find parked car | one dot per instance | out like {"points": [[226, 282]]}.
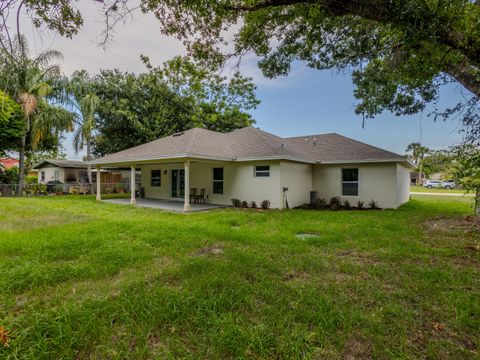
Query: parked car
{"points": [[429, 184]]}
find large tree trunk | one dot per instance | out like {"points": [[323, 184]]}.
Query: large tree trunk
{"points": [[21, 166], [477, 202]]}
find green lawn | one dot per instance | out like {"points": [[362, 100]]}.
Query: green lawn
{"points": [[88, 280], [416, 188]]}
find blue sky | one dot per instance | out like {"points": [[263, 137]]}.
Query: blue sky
{"points": [[315, 102]]}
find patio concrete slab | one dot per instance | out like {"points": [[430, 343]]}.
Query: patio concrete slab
{"points": [[168, 205]]}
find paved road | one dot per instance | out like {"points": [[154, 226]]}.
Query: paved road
{"points": [[439, 194]]}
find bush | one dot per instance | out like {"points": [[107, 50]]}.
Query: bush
{"points": [[359, 205], [335, 202], [236, 202], [244, 204], [320, 204], [373, 204], [253, 205], [265, 204], [346, 204]]}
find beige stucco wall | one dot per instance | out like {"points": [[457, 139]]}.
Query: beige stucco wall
{"points": [[403, 184], [297, 177], [50, 174], [377, 181], [239, 182]]}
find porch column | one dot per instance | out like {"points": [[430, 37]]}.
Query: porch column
{"points": [[133, 201], [186, 204], [99, 191]]}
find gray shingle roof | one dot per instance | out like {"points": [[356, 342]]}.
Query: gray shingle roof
{"points": [[62, 163], [250, 143]]}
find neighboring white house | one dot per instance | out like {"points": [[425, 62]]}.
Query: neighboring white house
{"points": [[254, 165], [64, 171]]}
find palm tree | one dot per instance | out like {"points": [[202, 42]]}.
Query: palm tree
{"points": [[418, 154], [27, 81], [80, 97]]}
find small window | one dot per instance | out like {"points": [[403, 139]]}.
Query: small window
{"points": [[262, 171], [156, 178], [42, 175], [218, 180], [350, 182]]}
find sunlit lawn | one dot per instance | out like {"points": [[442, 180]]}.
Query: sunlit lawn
{"points": [[417, 188], [81, 279]]}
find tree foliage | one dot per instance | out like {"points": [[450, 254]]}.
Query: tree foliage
{"points": [[11, 124], [466, 170], [27, 81], [178, 96]]}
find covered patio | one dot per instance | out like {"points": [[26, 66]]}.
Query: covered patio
{"points": [[168, 205]]}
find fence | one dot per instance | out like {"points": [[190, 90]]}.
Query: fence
{"points": [[9, 190]]}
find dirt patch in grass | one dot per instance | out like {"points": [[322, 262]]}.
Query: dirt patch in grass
{"points": [[295, 275], [214, 249], [466, 224], [357, 347], [357, 257]]}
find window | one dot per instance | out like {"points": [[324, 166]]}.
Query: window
{"points": [[42, 175], [156, 178], [218, 180], [262, 171], [350, 182]]}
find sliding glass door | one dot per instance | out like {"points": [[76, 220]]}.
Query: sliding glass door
{"points": [[178, 183]]}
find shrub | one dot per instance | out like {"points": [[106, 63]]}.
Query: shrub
{"points": [[244, 204], [253, 205], [359, 205], [334, 206], [335, 202], [306, 206], [265, 204], [236, 202], [373, 204], [346, 204], [320, 203]]}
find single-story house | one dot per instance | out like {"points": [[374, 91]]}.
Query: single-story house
{"points": [[64, 171], [76, 172], [254, 165]]}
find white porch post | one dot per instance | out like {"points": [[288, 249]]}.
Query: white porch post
{"points": [[99, 191], [186, 204], [133, 201]]}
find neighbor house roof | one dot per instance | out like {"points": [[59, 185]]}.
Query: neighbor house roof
{"points": [[250, 143], [8, 162], [62, 164]]}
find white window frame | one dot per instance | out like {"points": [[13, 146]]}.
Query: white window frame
{"points": [[266, 173], [156, 177], [351, 182]]}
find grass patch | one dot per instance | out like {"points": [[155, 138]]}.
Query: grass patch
{"points": [[82, 279], [418, 188]]}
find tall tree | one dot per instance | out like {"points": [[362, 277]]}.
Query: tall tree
{"points": [[27, 81], [80, 97], [181, 95], [418, 154]]}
